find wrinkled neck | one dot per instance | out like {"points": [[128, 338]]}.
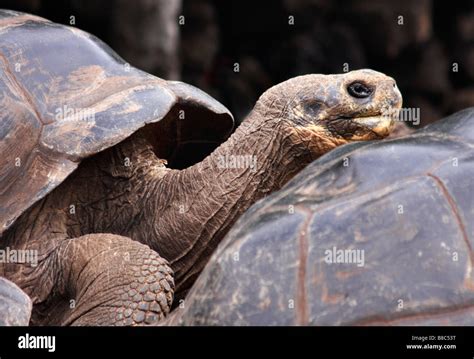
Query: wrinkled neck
{"points": [[210, 196]]}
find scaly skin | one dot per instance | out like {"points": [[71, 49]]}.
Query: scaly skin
{"points": [[180, 214]]}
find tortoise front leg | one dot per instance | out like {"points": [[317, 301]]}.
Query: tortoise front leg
{"points": [[106, 279]]}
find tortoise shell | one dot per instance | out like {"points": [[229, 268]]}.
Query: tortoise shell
{"points": [[371, 233], [15, 305], [65, 95]]}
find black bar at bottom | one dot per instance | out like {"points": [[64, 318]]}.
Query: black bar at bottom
{"points": [[315, 342]]}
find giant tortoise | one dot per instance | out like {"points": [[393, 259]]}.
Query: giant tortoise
{"points": [[369, 234], [85, 140]]}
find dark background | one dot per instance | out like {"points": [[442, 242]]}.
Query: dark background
{"points": [[256, 34]]}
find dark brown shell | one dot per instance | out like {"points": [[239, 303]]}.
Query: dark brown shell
{"points": [[65, 95], [405, 205]]}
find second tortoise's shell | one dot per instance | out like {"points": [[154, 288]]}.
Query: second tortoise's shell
{"points": [[407, 204], [65, 95]]}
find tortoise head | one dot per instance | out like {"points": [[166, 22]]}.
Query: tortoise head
{"points": [[330, 110]]}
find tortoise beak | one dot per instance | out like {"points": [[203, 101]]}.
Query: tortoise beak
{"points": [[380, 125]]}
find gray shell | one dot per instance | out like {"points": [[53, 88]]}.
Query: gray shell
{"points": [[407, 204], [65, 95], [15, 305]]}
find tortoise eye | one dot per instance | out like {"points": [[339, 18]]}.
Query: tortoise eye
{"points": [[359, 90]]}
